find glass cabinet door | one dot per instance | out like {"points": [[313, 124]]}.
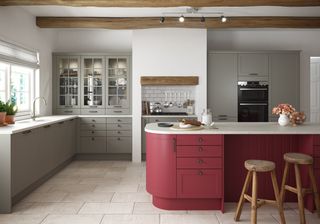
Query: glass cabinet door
{"points": [[118, 82], [68, 81], [93, 82]]}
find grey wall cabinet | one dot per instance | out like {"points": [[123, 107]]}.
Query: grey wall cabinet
{"points": [[222, 86], [253, 66], [284, 80], [38, 151]]}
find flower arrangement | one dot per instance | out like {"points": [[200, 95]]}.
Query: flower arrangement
{"points": [[297, 118], [284, 108]]}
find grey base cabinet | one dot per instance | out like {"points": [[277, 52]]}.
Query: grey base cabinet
{"points": [[119, 135], [38, 151]]}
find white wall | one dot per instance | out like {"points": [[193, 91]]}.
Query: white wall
{"points": [[19, 27], [93, 40], [273, 39], [165, 52]]}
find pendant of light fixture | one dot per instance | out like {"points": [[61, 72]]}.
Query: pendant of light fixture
{"points": [[194, 11]]}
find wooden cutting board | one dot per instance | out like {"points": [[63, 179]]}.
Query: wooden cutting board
{"points": [[176, 127]]}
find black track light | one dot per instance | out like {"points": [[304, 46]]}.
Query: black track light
{"points": [[202, 19], [162, 19]]}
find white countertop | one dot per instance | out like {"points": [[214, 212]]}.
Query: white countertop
{"points": [[25, 125], [230, 128]]}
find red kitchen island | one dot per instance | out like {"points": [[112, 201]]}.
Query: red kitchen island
{"points": [[200, 170]]}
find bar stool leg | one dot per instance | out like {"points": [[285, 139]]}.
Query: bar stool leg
{"points": [[242, 199], [299, 192], [277, 196], [283, 183], [315, 189], [254, 198]]}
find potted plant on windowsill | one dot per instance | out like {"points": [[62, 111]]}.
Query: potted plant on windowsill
{"points": [[2, 113], [11, 110]]}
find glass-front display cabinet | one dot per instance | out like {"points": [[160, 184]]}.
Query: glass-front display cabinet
{"points": [[68, 68], [118, 79], [93, 76]]}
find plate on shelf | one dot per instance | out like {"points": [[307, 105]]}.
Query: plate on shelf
{"points": [[176, 127]]}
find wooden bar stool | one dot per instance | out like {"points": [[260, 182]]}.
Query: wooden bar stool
{"points": [[300, 159], [253, 167]]}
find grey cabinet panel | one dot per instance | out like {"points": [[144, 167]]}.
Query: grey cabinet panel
{"points": [[222, 84], [119, 144], [124, 126], [95, 127], [93, 144], [284, 79], [253, 65], [119, 133], [93, 111], [93, 120], [119, 120]]}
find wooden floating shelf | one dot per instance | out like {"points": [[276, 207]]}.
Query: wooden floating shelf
{"points": [[169, 80]]}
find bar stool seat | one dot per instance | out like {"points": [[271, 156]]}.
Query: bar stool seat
{"points": [[253, 167], [298, 158], [259, 165]]}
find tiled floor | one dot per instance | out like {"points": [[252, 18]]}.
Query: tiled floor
{"points": [[105, 192]]}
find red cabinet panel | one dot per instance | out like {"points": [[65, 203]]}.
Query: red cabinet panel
{"points": [[316, 150], [199, 163], [161, 165], [199, 183], [199, 151], [317, 174], [199, 139], [316, 139], [316, 163]]}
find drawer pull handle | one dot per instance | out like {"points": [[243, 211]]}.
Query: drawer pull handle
{"points": [[157, 120], [174, 145], [68, 111], [93, 111], [200, 161], [200, 149], [200, 173], [92, 139], [200, 139], [119, 126], [62, 122], [26, 132], [253, 74], [47, 126], [93, 120], [117, 111], [119, 120], [119, 132], [119, 139], [92, 132], [93, 126]]}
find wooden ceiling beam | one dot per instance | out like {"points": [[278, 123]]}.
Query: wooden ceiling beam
{"points": [[162, 3], [154, 22]]}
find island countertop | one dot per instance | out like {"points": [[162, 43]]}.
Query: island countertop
{"points": [[236, 128]]}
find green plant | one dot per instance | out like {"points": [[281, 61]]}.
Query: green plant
{"points": [[2, 106], [11, 108]]}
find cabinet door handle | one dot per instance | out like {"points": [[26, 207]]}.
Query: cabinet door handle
{"points": [[222, 115], [68, 106], [92, 139], [117, 106], [117, 111], [47, 126], [93, 126], [174, 144], [26, 132], [200, 173], [157, 120], [200, 149], [92, 132], [119, 139], [119, 120], [119, 132], [93, 106], [62, 122], [68, 111], [119, 126], [253, 74], [93, 111], [93, 120], [223, 119], [200, 161], [200, 139]]}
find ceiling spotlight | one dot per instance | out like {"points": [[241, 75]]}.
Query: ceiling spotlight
{"points": [[202, 19], [223, 19], [181, 19], [162, 19]]}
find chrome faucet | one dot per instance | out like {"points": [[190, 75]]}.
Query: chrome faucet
{"points": [[33, 116]]}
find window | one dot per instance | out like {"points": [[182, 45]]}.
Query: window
{"points": [[18, 69], [17, 84]]}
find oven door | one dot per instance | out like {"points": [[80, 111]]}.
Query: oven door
{"points": [[246, 94], [253, 112]]}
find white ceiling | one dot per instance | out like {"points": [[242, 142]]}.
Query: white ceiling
{"points": [[150, 12]]}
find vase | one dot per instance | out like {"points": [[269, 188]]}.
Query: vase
{"points": [[283, 120], [2, 118], [10, 119]]}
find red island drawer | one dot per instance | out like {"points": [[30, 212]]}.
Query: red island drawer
{"points": [[199, 183], [199, 151], [199, 139], [199, 163], [316, 150]]}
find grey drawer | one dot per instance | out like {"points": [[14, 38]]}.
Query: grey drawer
{"points": [[93, 120], [119, 145], [93, 133], [119, 133], [93, 145], [118, 120], [68, 111], [93, 111], [90, 127], [117, 111], [115, 127]]}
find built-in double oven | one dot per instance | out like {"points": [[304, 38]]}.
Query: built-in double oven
{"points": [[252, 101]]}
